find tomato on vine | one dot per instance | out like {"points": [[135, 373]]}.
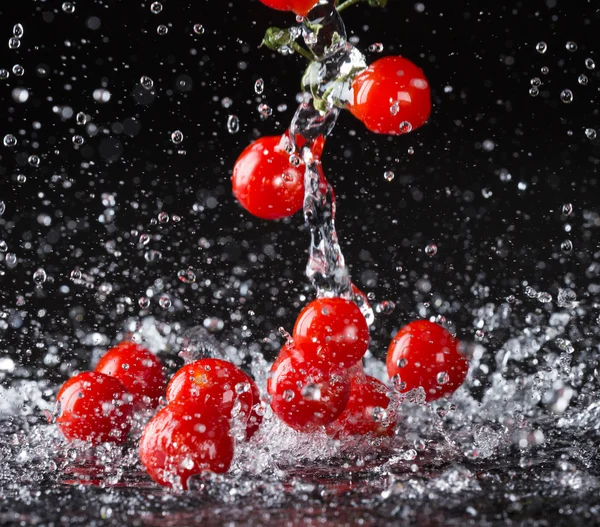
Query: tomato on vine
{"points": [[94, 407], [220, 384], [391, 96], [140, 371], [424, 354], [300, 7]]}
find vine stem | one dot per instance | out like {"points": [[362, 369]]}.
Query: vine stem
{"points": [[347, 4]]}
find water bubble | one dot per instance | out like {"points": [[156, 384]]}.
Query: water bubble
{"points": [[34, 160], [39, 277], [14, 43], [81, 118], [165, 302], [144, 239], [541, 47], [11, 259], [156, 8], [566, 298], [68, 7], [590, 133], [78, 140], [144, 302], [259, 86], [544, 297], [545, 70], [567, 209], [395, 108], [377, 47], [533, 91], [582, 79], [76, 274], [177, 137], [389, 175], [152, 256], [162, 30], [2, 208], [443, 377], [288, 395], [431, 249], [571, 46], [21, 178], [10, 140], [486, 193], [264, 110], [18, 30], [536, 81], [566, 246], [385, 307], [590, 64], [233, 124], [163, 217], [312, 392], [147, 83], [3, 246], [187, 276], [18, 70], [295, 160], [4, 74], [566, 96], [378, 414], [405, 127], [198, 29], [401, 363]]}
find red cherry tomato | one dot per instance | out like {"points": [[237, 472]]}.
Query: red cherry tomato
{"points": [[303, 396], [331, 333], [425, 354], [365, 412], [138, 369], [220, 384], [391, 96], [94, 407], [184, 439], [300, 7], [264, 181]]}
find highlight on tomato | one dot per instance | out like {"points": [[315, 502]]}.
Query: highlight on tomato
{"points": [[300, 7]]}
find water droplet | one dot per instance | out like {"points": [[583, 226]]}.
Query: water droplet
{"points": [[567, 209], [566, 96], [545, 70], [401, 363], [389, 175], [395, 108], [590, 133], [177, 137], [34, 160], [259, 86], [152, 256], [486, 193], [582, 79], [379, 414], [162, 30], [288, 395], [536, 81], [4, 74], [78, 140], [76, 274], [295, 160], [163, 217], [566, 246], [156, 8], [144, 239], [377, 47], [590, 64], [18, 31], [39, 277], [544, 298], [233, 124], [311, 392], [2, 208], [81, 118], [147, 83], [198, 29], [541, 47], [431, 249], [68, 7], [442, 377], [187, 276], [533, 91], [18, 70], [405, 127], [386, 307], [571, 46], [264, 110], [14, 43], [21, 178], [144, 302], [10, 140], [165, 302], [11, 259]]}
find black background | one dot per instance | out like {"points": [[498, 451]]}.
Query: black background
{"points": [[493, 236]]}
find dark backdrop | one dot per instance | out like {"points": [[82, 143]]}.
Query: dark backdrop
{"points": [[486, 182]]}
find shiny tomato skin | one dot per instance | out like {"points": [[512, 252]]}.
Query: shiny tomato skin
{"points": [[425, 354], [303, 396], [138, 369], [94, 407], [391, 92], [365, 411], [184, 439], [331, 333], [264, 181], [220, 384], [300, 7]]}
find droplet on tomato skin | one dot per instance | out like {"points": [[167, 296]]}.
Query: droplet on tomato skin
{"points": [[442, 377], [312, 392], [288, 395]]}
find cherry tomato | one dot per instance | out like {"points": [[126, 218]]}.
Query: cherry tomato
{"points": [[184, 439], [300, 7], [303, 396], [331, 333], [94, 407], [425, 354], [138, 369], [220, 384], [265, 182], [391, 96], [365, 412]]}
